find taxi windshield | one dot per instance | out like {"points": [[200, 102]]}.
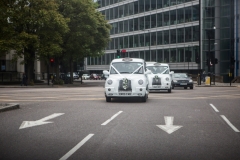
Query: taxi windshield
{"points": [[127, 68], [158, 69]]}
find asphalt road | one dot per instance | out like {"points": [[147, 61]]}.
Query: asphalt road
{"points": [[202, 123]]}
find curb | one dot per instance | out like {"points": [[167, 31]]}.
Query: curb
{"points": [[9, 106]]}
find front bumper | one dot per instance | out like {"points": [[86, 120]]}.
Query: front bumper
{"points": [[163, 86], [177, 84], [136, 92]]}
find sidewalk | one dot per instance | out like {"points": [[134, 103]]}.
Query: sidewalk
{"points": [[217, 84], [86, 83]]}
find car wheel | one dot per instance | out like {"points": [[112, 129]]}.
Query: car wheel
{"points": [[144, 99], [108, 99], [169, 90], [185, 87], [191, 87]]}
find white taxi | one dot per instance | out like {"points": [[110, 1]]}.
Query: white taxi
{"points": [[160, 78], [127, 78]]}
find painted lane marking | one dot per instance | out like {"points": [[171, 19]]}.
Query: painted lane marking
{"points": [[74, 149], [230, 124], [169, 127], [114, 116], [216, 110], [27, 124]]}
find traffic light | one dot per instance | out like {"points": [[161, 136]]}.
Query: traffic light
{"points": [[197, 60], [52, 62], [118, 53]]}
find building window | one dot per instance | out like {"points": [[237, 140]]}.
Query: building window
{"points": [[166, 55], [159, 56], [180, 15], [166, 19], [188, 34], [173, 17], [159, 4], [166, 37], [173, 36], [141, 6], [159, 38], [159, 19], [153, 38], [173, 56], [180, 54]]}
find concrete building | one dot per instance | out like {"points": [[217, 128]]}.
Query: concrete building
{"points": [[173, 31]]}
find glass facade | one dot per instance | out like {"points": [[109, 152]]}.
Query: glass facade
{"points": [[155, 30], [218, 35]]}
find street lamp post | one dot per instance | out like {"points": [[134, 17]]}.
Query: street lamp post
{"points": [[149, 41], [209, 31], [188, 58]]}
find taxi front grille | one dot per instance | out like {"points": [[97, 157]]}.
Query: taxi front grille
{"points": [[183, 81], [156, 81], [129, 86]]}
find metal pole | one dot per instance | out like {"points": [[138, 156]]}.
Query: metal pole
{"points": [[188, 58], [149, 41], [209, 56]]}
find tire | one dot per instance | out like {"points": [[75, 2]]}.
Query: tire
{"points": [[191, 87], [185, 87], [108, 99], [144, 99], [169, 90]]}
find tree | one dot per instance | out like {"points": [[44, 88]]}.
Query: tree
{"points": [[33, 28], [89, 31]]}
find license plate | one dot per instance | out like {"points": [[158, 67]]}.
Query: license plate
{"points": [[122, 94], [156, 86], [183, 84]]}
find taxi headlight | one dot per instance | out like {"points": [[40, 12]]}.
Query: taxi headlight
{"points": [[140, 82], [109, 82], [190, 80], [167, 79]]}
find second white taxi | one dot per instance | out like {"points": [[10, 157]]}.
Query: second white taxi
{"points": [[160, 78], [127, 78]]}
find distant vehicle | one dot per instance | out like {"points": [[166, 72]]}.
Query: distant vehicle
{"points": [[127, 78], [181, 80], [75, 75], [86, 76], [160, 78], [95, 76]]}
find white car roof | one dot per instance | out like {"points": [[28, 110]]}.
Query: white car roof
{"points": [[127, 59], [157, 64]]}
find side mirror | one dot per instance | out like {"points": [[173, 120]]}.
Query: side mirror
{"points": [[171, 72], [106, 72]]}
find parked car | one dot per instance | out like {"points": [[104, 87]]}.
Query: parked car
{"points": [[75, 75], [95, 76], [127, 78], [85, 76], [181, 80], [160, 78]]}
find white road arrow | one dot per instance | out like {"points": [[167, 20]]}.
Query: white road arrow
{"points": [[27, 124], [169, 127]]}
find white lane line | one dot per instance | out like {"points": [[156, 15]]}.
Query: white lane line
{"points": [[230, 124], [74, 149], [216, 110], [114, 116]]}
